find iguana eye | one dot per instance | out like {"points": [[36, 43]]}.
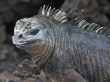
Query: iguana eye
{"points": [[34, 32]]}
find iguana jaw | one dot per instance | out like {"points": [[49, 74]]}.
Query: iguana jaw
{"points": [[22, 44]]}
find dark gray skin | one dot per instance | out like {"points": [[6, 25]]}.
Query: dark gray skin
{"points": [[66, 53], [88, 53]]}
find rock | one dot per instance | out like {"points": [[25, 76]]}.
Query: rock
{"points": [[92, 10], [8, 58], [26, 69], [2, 32], [23, 8], [9, 17]]}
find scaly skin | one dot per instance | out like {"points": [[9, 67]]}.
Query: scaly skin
{"points": [[63, 51]]}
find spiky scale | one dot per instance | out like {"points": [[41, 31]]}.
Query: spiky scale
{"points": [[92, 27], [98, 30], [43, 10], [57, 14]]}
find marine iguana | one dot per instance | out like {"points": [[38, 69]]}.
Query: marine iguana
{"points": [[62, 49]]}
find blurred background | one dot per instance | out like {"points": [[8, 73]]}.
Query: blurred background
{"points": [[97, 11]]}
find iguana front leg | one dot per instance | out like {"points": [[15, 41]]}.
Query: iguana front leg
{"points": [[71, 76]]}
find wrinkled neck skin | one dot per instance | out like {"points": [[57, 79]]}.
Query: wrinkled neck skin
{"points": [[40, 54], [61, 41]]}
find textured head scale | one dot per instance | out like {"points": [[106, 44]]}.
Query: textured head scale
{"points": [[55, 14]]}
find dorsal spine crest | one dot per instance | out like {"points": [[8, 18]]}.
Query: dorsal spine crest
{"points": [[56, 14], [91, 27]]}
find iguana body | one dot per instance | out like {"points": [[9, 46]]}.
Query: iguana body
{"points": [[65, 52]]}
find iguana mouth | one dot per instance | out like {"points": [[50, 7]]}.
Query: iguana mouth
{"points": [[22, 44], [25, 42], [28, 43]]}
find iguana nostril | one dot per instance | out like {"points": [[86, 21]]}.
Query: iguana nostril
{"points": [[20, 36]]}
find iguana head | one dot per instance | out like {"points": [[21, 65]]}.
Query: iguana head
{"points": [[27, 32], [36, 33]]}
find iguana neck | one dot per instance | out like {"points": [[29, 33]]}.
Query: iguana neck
{"points": [[40, 54], [61, 44]]}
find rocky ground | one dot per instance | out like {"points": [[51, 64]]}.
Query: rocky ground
{"points": [[11, 69]]}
